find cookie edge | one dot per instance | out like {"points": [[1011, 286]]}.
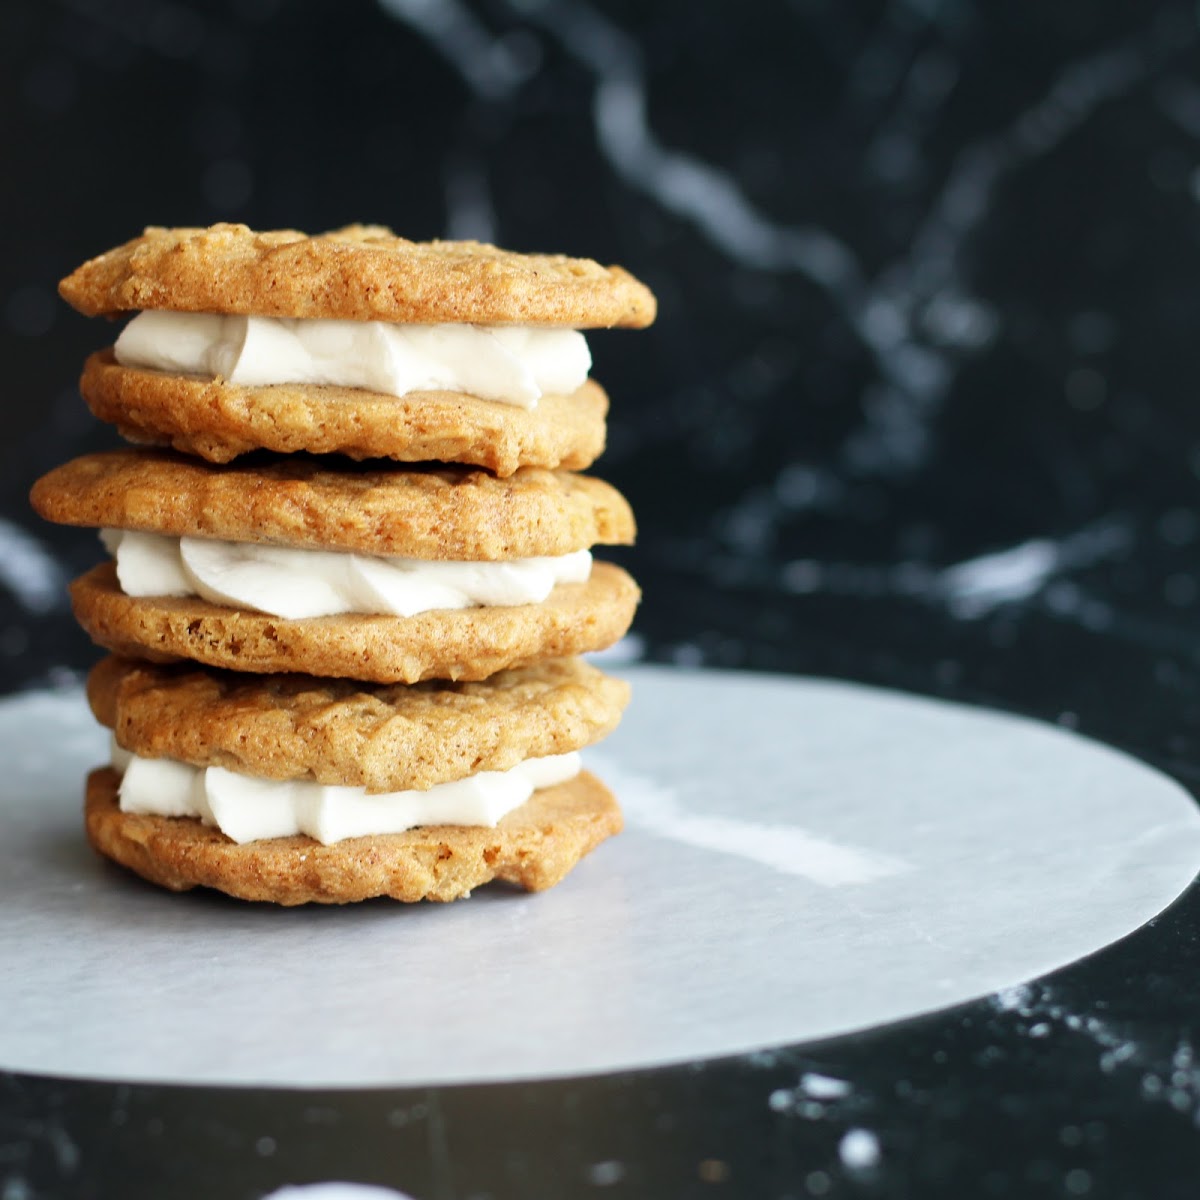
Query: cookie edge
{"points": [[230, 268], [372, 649], [219, 421], [178, 853]]}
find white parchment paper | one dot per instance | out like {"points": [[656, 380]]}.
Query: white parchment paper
{"points": [[801, 859]]}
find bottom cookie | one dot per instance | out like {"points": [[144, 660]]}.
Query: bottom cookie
{"points": [[533, 847]]}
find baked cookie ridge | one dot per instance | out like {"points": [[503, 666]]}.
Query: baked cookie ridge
{"points": [[466, 644], [343, 733], [426, 512], [533, 847], [359, 273], [219, 421]]}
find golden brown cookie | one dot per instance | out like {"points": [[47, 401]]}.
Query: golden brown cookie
{"points": [[464, 643], [219, 420], [454, 513], [384, 739], [360, 273], [534, 846]]}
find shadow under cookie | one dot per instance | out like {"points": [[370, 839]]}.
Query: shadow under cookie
{"points": [[533, 847]]}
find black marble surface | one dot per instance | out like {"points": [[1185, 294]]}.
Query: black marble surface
{"points": [[919, 410]]}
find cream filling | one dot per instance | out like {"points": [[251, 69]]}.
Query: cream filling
{"points": [[292, 583], [246, 809], [513, 364]]}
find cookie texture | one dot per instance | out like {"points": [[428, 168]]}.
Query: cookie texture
{"points": [[465, 643], [219, 421], [360, 273], [334, 731], [533, 847], [456, 513]]}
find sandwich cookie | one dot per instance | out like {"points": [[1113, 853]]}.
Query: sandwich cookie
{"points": [[354, 342], [396, 575], [340, 679], [294, 789]]}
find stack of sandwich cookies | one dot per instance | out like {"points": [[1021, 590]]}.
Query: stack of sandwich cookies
{"points": [[275, 615]]}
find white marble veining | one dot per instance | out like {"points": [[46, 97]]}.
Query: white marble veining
{"points": [[29, 571], [917, 313]]}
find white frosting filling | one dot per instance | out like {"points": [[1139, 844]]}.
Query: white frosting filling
{"points": [[292, 583], [514, 364], [246, 809]]}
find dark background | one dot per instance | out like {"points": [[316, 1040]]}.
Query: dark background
{"points": [[927, 273], [920, 409]]}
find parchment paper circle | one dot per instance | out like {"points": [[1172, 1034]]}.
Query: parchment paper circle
{"points": [[802, 858]]}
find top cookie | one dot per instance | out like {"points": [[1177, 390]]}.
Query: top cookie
{"points": [[359, 273]]}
